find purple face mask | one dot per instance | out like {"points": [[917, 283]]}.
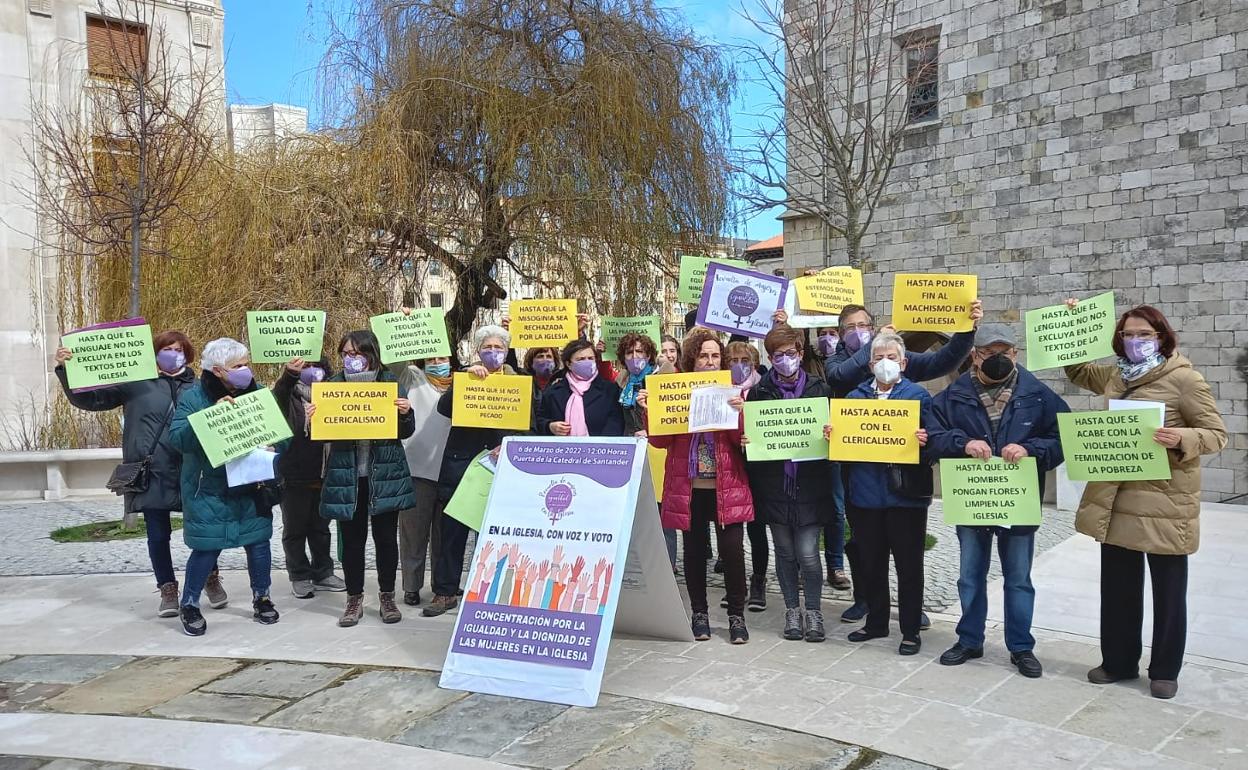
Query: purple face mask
{"points": [[856, 339], [170, 361], [493, 358], [740, 372], [543, 367], [636, 365], [786, 365], [827, 344], [354, 364], [239, 378], [311, 374], [585, 369], [1139, 350]]}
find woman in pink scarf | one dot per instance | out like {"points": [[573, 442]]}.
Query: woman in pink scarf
{"points": [[581, 403]]}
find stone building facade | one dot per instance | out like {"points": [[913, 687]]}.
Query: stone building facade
{"points": [[1080, 146]]}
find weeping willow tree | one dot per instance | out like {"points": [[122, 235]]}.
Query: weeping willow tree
{"points": [[578, 143]]}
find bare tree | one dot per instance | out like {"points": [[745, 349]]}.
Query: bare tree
{"points": [[115, 168], [844, 88]]}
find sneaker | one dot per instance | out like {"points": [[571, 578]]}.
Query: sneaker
{"points": [[856, 612], [333, 584], [217, 598], [924, 621], [411, 598], [723, 603], [957, 655], [758, 594], [793, 625], [814, 626], [168, 600], [353, 612], [839, 580], [1027, 664], [737, 633], [302, 589], [193, 623], [389, 610], [263, 611], [439, 606], [701, 625]]}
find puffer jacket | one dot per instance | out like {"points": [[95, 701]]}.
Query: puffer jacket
{"points": [[389, 480], [813, 503], [734, 503], [867, 483], [216, 516], [1161, 517]]}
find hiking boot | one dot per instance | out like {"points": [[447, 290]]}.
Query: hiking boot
{"points": [[333, 584], [411, 598], [263, 611], [839, 580], [701, 625], [168, 600], [793, 624], [814, 626], [737, 633], [193, 623], [1165, 689], [1027, 664], [758, 594], [302, 589], [957, 655], [439, 606], [217, 598], [856, 612], [389, 610], [354, 611]]}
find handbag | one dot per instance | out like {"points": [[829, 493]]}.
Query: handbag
{"points": [[911, 480], [134, 477]]}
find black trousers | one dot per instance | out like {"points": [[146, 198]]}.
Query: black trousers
{"points": [[354, 532], [731, 542], [1122, 611], [757, 532], [900, 532], [304, 532], [448, 566]]}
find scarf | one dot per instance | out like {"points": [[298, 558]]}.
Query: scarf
{"points": [[750, 382], [792, 389], [304, 392], [995, 403], [440, 384], [363, 448], [1132, 371], [628, 394], [575, 411]]}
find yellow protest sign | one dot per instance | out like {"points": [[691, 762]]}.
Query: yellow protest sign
{"points": [[668, 398], [658, 469], [502, 401], [543, 323], [354, 410], [828, 291], [934, 303], [873, 431]]}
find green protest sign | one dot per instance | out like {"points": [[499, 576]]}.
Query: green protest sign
{"points": [[1058, 336], [614, 328], [787, 429], [227, 431], [693, 275], [467, 505], [1114, 445], [276, 336], [411, 337], [110, 354], [990, 492]]}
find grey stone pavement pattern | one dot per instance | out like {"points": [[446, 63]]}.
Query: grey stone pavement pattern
{"points": [[11, 762], [26, 548]]}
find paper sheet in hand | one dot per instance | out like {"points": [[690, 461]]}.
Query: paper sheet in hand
{"points": [[250, 468], [1116, 404], [709, 410]]}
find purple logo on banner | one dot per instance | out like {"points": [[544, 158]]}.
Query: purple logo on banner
{"points": [[610, 465], [743, 300], [558, 499]]}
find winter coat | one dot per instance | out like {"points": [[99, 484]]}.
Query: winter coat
{"points": [[867, 483], [303, 462], [603, 414], [389, 480], [464, 444], [635, 416], [1029, 420], [733, 503], [1161, 517], [846, 371], [215, 516], [813, 504], [145, 411]]}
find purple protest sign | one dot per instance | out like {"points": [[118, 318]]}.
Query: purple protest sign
{"points": [[529, 635], [611, 465], [740, 301]]}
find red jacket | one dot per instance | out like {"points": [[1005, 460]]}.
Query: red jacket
{"points": [[734, 505]]}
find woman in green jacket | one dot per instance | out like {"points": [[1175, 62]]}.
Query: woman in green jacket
{"points": [[217, 516]]}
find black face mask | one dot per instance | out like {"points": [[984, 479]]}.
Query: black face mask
{"points": [[996, 367]]}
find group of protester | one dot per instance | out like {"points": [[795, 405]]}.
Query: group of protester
{"points": [[397, 488]]}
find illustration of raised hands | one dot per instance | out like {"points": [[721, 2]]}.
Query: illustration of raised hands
{"points": [[558, 557], [543, 570], [577, 567], [600, 568], [484, 556], [522, 565], [564, 573]]}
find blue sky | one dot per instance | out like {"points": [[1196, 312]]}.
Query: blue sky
{"points": [[273, 48]]}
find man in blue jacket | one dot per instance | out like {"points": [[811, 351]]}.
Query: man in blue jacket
{"points": [[997, 409]]}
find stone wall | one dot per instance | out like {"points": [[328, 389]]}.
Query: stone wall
{"points": [[1082, 146]]}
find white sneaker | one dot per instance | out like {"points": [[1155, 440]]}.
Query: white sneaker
{"points": [[331, 583]]}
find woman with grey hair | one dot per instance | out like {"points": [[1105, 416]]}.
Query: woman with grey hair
{"points": [[462, 447], [217, 516]]}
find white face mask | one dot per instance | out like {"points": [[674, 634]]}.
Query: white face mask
{"points": [[887, 371]]}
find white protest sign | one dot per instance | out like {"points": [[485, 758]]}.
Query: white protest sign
{"points": [[740, 301], [709, 410]]}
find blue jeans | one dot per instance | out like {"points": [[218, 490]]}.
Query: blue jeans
{"points": [[797, 551], [1015, 550], [834, 532], [158, 534], [202, 563]]}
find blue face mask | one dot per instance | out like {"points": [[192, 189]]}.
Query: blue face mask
{"points": [[438, 370]]}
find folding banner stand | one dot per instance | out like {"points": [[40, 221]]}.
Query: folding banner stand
{"points": [[570, 544]]}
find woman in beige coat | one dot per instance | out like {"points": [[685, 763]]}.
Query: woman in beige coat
{"points": [[1154, 520]]}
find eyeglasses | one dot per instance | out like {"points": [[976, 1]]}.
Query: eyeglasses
{"points": [[790, 353], [1138, 335]]}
